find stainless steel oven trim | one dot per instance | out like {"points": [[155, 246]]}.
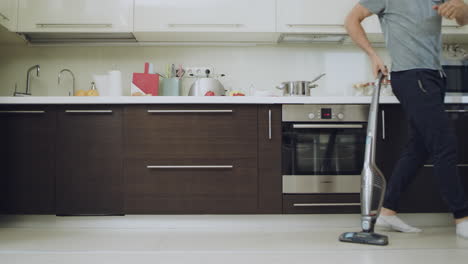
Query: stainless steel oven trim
{"points": [[310, 184], [311, 113], [325, 204], [331, 126]]}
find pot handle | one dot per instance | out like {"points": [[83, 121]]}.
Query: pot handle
{"points": [[318, 78], [312, 86], [281, 87]]}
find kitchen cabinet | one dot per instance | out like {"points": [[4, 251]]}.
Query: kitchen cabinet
{"points": [[184, 159], [159, 20], [75, 16], [321, 203], [269, 159], [422, 194], [304, 16], [9, 14], [27, 148], [89, 163]]}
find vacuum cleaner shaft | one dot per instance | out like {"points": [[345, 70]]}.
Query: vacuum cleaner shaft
{"points": [[372, 182]]}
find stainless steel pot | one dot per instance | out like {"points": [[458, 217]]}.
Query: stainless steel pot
{"points": [[299, 88], [204, 85]]}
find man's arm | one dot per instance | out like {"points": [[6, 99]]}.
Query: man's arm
{"points": [[358, 35], [454, 9]]}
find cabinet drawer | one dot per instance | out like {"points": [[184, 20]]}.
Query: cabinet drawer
{"points": [[321, 204], [207, 186], [191, 131]]}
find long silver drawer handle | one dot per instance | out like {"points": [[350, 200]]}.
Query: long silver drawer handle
{"points": [[458, 165], [269, 125], [313, 25], [326, 204], [89, 111], [22, 112], [189, 111], [192, 167], [451, 26], [72, 25], [383, 125], [300, 126], [456, 111], [4, 17], [206, 25]]}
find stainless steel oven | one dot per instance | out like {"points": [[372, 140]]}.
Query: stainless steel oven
{"points": [[323, 148]]}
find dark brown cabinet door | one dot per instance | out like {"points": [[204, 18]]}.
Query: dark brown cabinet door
{"points": [[89, 178], [27, 137], [191, 159], [392, 135], [269, 159], [422, 195]]}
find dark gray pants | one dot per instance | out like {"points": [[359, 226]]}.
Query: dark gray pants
{"points": [[421, 93]]}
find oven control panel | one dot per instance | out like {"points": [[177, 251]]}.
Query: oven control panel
{"points": [[325, 113]]}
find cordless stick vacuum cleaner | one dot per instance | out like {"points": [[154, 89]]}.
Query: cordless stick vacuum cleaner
{"points": [[372, 183]]}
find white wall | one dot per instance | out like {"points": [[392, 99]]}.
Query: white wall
{"points": [[264, 67]]}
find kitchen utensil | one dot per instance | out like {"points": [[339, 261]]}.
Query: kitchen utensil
{"points": [[299, 88], [173, 71], [180, 72], [204, 85]]}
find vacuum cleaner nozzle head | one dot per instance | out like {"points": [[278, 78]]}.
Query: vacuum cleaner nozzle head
{"points": [[364, 238]]}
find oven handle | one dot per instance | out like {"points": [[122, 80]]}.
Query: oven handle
{"points": [[302, 126], [325, 204]]}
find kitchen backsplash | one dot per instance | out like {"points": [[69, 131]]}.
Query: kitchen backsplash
{"points": [[246, 67]]}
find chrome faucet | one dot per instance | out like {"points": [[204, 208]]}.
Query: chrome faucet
{"points": [[73, 76], [28, 81]]}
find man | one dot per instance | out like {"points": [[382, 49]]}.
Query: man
{"points": [[412, 32]]}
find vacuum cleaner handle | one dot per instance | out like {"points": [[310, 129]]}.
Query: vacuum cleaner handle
{"points": [[380, 78]]}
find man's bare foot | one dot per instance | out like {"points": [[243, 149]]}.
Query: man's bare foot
{"points": [[387, 212]]}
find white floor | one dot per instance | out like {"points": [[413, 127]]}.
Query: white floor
{"points": [[220, 239]]}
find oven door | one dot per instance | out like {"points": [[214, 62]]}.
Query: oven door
{"points": [[323, 157]]}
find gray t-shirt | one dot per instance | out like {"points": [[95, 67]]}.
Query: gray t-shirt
{"points": [[412, 32]]}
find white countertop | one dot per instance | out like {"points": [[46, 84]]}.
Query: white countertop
{"points": [[451, 99]]}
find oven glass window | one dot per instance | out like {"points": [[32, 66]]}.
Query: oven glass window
{"points": [[334, 151]]}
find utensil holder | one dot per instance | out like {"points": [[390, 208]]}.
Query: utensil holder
{"points": [[171, 87]]}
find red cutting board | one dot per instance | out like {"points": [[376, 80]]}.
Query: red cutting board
{"points": [[146, 82]]}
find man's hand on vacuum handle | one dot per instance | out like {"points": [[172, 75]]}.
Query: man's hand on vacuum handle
{"points": [[357, 33], [378, 66], [454, 9]]}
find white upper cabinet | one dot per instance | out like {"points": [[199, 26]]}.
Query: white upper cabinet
{"points": [[309, 16], [9, 14], [205, 16], [75, 16]]}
